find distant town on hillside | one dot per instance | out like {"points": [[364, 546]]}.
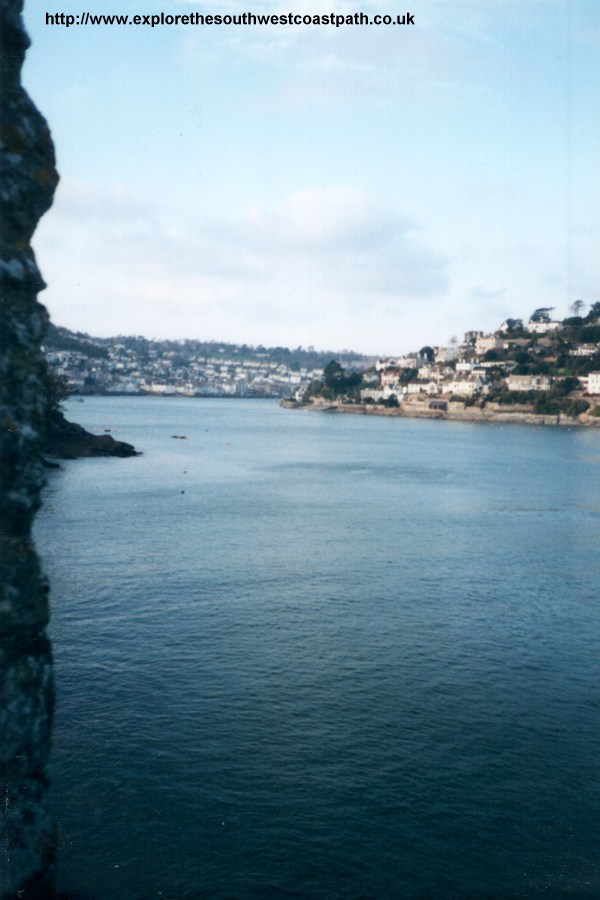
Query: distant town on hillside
{"points": [[191, 368], [550, 363], [550, 366]]}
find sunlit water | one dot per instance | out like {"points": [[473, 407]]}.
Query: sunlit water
{"points": [[314, 656]]}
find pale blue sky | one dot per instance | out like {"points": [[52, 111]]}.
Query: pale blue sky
{"points": [[375, 188]]}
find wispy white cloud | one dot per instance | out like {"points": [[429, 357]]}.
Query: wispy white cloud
{"points": [[481, 293], [450, 42], [262, 271], [317, 65]]}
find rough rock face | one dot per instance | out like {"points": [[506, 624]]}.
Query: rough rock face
{"points": [[67, 440], [27, 182]]}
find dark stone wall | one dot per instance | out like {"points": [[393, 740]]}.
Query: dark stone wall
{"points": [[27, 182]]}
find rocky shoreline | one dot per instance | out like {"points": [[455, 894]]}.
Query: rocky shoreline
{"points": [[67, 440], [455, 411]]}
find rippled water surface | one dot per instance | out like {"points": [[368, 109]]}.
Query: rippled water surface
{"points": [[315, 656]]}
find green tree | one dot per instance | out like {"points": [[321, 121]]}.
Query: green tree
{"points": [[315, 389], [333, 376], [564, 386], [577, 307], [513, 325], [54, 391], [574, 408], [590, 334], [408, 375], [339, 383], [542, 314], [544, 406], [594, 312]]}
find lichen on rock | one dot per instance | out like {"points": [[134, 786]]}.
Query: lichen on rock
{"points": [[27, 181]]}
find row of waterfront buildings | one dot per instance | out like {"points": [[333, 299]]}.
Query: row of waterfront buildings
{"points": [[472, 367], [123, 371]]}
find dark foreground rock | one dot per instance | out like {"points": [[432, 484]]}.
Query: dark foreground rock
{"points": [[28, 179], [67, 440]]}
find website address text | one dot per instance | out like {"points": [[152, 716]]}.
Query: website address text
{"points": [[159, 19]]}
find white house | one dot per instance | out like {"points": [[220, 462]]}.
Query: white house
{"points": [[392, 390], [407, 362], [166, 389], [593, 383], [372, 394], [529, 382], [584, 350], [428, 373], [389, 376], [543, 327], [421, 387], [466, 387]]}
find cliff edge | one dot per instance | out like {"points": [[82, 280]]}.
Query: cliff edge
{"points": [[27, 182]]}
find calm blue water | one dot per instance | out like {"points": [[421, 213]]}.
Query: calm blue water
{"points": [[312, 656]]}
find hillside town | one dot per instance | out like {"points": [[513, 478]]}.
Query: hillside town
{"points": [[549, 365], [134, 365]]}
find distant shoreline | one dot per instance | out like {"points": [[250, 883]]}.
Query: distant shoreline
{"points": [[455, 412], [79, 398]]}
